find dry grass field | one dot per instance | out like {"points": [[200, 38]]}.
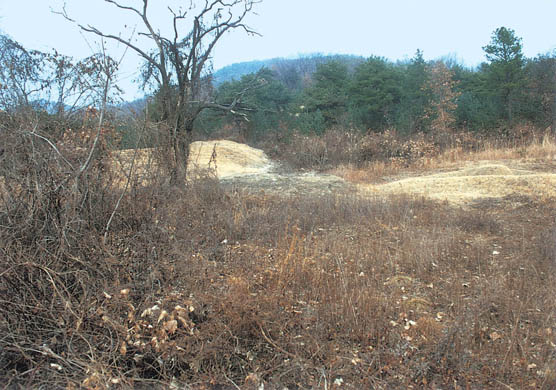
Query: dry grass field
{"points": [[439, 275]]}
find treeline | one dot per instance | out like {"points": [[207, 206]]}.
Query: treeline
{"points": [[311, 95], [410, 96]]}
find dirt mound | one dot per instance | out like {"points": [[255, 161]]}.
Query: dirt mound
{"points": [[228, 158], [485, 170], [470, 184], [241, 165], [224, 158]]}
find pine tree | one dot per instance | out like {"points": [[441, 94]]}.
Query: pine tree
{"points": [[506, 69]]}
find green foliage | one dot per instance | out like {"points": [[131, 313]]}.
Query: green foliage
{"points": [[505, 48], [505, 73], [411, 112], [328, 93], [156, 105], [262, 102], [541, 90], [310, 122], [316, 94], [474, 112], [375, 92], [476, 108]]}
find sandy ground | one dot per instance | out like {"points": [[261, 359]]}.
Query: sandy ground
{"points": [[228, 158], [469, 184], [241, 165], [223, 158]]}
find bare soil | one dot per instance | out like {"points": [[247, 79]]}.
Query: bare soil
{"points": [[242, 166], [477, 181]]}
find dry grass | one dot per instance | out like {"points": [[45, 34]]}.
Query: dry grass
{"points": [[301, 292], [473, 184], [202, 288], [463, 177], [542, 147], [536, 149]]}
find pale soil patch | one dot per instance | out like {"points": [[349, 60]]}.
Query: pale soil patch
{"points": [[222, 158], [243, 166], [484, 180], [228, 158], [236, 165]]}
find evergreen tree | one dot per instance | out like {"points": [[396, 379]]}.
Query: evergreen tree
{"points": [[411, 115], [541, 88], [477, 107], [328, 92], [376, 91], [506, 69], [264, 102]]}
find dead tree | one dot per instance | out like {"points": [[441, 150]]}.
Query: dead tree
{"points": [[178, 65]]}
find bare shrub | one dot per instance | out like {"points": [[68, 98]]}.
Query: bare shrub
{"points": [[205, 286], [389, 147], [349, 147], [300, 151]]}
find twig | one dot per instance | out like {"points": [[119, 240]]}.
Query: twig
{"points": [[275, 345], [107, 228], [232, 382], [505, 385], [323, 374], [51, 145], [101, 117]]}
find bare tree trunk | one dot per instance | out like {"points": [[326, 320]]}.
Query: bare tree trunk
{"points": [[179, 163], [178, 65], [181, 141]]}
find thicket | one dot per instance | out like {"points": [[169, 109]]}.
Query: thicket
{"points": [[206, 287], [108, 280]]}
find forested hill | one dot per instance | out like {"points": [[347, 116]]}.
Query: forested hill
{"points": [[303, 65], [235, 71]]}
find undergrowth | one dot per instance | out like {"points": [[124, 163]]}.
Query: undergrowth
{"points": [[199, 287]]}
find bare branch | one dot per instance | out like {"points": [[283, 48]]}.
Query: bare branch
{"points": [[128, 180], [142, 53], [34, 134], [178, 62], [108, 74], [127, 7]]}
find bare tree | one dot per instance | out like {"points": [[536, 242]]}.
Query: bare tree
{"points": [[178, 66], [49, 81], [73, 85], [21, 81]]}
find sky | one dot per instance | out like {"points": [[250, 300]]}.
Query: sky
{"points": [[394, 29]]}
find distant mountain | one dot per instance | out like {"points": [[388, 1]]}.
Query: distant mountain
{"points": [[235, 71], [290, 71], [132, 108], [284, 67]]}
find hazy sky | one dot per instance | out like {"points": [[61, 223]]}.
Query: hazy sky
{"points": [[389, 28]]}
